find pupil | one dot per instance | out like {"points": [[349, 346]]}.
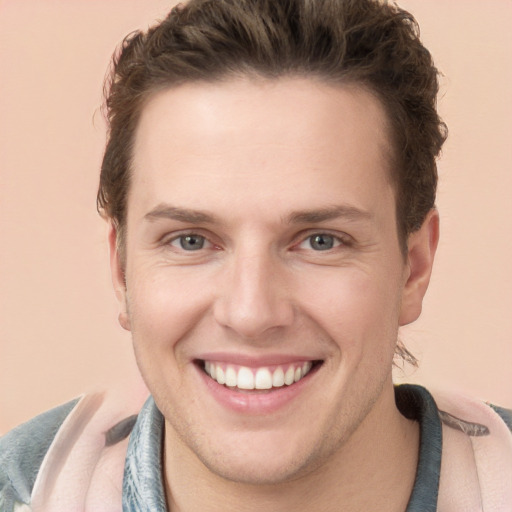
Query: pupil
{"points": [[322, 242], [192, 242]]}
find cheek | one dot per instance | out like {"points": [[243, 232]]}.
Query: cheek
{"points": [[358, 310], [165, 305], [164, 310]]}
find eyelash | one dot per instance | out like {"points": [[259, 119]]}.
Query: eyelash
{"points": [[338, 241], [181, 237]]}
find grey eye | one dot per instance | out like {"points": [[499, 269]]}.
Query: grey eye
{"points": [[191, 242], [322, 242]]}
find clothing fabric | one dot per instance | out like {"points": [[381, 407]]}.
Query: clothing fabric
{"points": [[94, 454]]}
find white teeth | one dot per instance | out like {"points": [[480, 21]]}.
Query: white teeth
{"points": [[245, 378], [278, 378], [289, 376], [230, 376], [261, 378], [221, 377]]}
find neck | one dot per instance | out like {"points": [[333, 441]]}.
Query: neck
{"points": [[373, 470]]}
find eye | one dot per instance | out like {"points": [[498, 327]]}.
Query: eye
{"points": [[321, 242], [189, 242]]}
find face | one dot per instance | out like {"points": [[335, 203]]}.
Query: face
{"points": [[264, 278]]}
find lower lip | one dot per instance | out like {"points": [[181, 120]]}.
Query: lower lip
{"points": [[255, 402]]}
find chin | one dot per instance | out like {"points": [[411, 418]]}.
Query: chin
{"points": [[262, 458], [271, 471]]}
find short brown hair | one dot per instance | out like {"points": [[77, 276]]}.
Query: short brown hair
{"points": [[368, 42]]}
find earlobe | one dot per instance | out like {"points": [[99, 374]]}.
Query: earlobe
{"points": [[421, 249], [118, 277]]}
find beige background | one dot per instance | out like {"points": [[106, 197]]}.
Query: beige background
{"points": [[58, 329]]}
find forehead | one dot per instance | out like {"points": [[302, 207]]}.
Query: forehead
{"points": [[236, 142]]}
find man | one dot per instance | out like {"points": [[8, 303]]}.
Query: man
{"points": [[269, 183]]}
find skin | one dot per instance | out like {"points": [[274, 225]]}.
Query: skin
{"points": [[257, 158]]}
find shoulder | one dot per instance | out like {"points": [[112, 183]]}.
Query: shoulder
{"points": [[22, 451], [477, 453], [465, 458], [474, 417]]}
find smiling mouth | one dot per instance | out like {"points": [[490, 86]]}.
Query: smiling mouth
{"points": [[263, 379]]}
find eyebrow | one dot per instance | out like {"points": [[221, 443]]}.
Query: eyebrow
{"points": [[351, 213], [347, 212], [165, 211]]}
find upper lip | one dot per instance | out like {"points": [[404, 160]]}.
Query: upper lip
{"points": [[252, 361]]}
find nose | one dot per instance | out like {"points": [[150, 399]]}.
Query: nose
{"points": [[253, 298]]}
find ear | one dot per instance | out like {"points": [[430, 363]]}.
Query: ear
{"points": [[118, 278], [421, 249]]}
